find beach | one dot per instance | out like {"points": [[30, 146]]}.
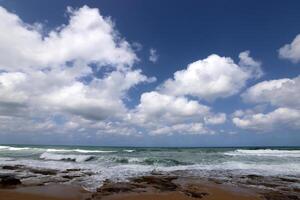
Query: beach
{"points": [[115, 173], [154, 187]]}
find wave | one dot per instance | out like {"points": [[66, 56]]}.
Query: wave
{"points": [[11, 148], [66, 157], [129, 150], [79, 151], [149, 161], [265, 152], [14, 148]]}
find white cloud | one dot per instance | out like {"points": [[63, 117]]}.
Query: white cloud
{"points": [[167, 114], [283, 94], [213, 77], [101, 99], [156, 107], [88, 38], [215, 119], [250, 65], [278, 119], [45, 77], [291, 51], [153, 57], [184, 129]]}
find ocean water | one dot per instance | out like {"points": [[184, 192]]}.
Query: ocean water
{"points": [[120, 163]]}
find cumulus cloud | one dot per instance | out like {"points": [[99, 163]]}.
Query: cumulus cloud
{"points": [[88, 38], [46, 80], [291, 51], [184, 129], [280, 118], [213, 77], [283, 94], [166, 114], [253, 67], [156, 107], [153, 57]]}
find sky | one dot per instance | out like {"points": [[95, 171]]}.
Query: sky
{"points": [[150, 73]]}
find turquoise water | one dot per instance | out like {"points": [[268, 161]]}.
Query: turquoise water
{"points": [[123, 162]]}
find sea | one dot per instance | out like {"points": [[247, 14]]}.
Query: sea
{"points": [[121, 163]]}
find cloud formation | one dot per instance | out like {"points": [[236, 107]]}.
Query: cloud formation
{"points": [[283, 94], [291, 51], [50, 78], [213, 77], [153, 57]]}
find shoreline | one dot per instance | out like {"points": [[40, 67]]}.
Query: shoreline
{"points": [[205, 191], [151, 187]]}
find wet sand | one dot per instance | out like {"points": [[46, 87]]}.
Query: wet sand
{"points": [[213, 193], [63, 192], [150, 187], [50, 192]]}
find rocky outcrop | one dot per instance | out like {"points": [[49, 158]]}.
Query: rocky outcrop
{"points": [[160, 182], [7, 180], [43, 171]]}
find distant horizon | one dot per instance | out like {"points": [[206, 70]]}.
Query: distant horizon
{"points": [[69, 145]]}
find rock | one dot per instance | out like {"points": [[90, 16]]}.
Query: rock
{"points": [[274, 195], [73, 170], [9, 180], [253, 176], [71, 176], [42, 180], [12, 167], [194, 191], [289, 180], [44, 171], [110, 187], [216, 181], [163, 183]]}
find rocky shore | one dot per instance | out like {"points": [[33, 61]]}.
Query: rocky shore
{"points": [[156, 185]]}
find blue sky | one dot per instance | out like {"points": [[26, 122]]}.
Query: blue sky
{"points": [[180, 73]]}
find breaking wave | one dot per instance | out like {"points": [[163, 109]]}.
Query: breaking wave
{"points": [[150, 161], [66, 157], [79, 151], [265, 152], [14, 148]]}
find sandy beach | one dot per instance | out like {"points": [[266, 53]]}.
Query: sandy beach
{"points": [[153, 187], [59, 192]]}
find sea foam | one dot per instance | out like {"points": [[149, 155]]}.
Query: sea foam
{"points": [[265, 152], [66, 157]]}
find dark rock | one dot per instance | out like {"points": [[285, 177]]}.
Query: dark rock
{"points": [[71, 176], [163, 183], [110, 187], [9, 180], [216, 181], [194, 191], [73, 170], [155, 172], [12, 167], [253, 176], [289, 180], [280, 196], [44, 171]]}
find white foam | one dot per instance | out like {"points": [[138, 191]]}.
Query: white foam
{"points": [[16, 148], [265, 152], [66, 157], [129, 150], [13, 148], [79, 151]]}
